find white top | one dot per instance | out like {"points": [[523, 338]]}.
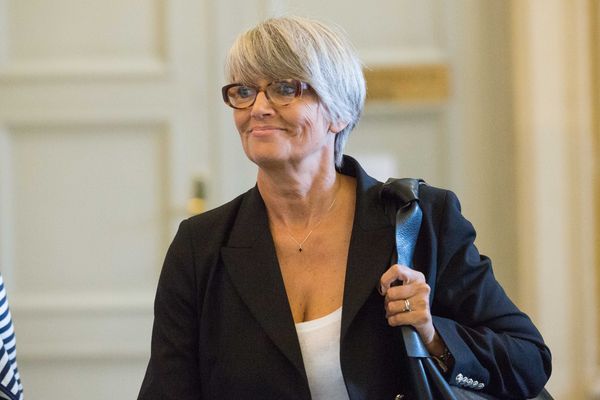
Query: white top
{"points": [[320, 345]]}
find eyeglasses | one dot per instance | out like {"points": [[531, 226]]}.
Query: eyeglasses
{"points": [[279, 93]]}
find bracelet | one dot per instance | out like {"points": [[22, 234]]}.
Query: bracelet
{"points": [[443, 360]]}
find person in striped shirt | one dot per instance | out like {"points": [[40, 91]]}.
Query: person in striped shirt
{"points": [[10, 382]]}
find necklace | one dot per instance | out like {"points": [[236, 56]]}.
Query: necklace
{"points": [[315, 227]]}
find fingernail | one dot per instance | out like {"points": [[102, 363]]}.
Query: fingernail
{"points": [[380, 289]]}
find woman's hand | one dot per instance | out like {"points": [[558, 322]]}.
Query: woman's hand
{"points": [[408, 304]]}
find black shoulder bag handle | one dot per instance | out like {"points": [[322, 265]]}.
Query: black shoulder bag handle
{"points": [[401, 198]]}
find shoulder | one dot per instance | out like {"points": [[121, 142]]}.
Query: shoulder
{"points": [[436, 199], [442, 208], [212, 227], [433, 194], [198, 240]]}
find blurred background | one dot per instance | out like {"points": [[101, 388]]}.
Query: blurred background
{"points": [[112, 130]]}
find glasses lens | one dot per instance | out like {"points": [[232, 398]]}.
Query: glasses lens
{"points": [[282, 92], [241, 96]]}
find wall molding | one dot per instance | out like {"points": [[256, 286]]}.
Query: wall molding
{"points": [[81, 334], [41, 304], [90, 354], [15, 127], [90, 70]]}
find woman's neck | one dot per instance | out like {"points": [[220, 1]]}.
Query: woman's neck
{"points": [[299, 200]]}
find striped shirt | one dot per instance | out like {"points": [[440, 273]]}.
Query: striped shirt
{"points": [[10, 383]]}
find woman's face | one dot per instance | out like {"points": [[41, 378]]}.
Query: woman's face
{"points": [[275, 135]]}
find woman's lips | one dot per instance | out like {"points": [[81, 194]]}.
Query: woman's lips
{"points": [[264, 130]]}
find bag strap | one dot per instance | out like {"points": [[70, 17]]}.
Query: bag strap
{"points": [[401, 198]]}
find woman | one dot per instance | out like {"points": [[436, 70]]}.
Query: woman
{"points": [[287, 291]]}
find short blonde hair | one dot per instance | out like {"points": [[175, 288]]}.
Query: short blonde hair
{"points": [[307, 50]]}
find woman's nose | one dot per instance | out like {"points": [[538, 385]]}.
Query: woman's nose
{"points": [[262, 106]]}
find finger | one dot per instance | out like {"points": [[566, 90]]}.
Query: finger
{"points": [[417, 319], [413, 311], [399, 307], [397, 273], [414, 289], [405, 306]]}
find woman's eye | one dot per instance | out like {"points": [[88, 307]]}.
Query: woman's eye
{"points": [[285, 89], [245, 92]]}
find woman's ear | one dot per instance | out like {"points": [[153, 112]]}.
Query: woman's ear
{"points": [[337, 126]]}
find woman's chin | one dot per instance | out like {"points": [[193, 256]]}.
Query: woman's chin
{"points": [[266, 154], [266, 161]]}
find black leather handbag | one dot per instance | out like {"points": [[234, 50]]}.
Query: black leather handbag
{"points": [[401, 199]]}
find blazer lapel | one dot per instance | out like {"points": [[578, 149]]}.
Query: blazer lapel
{"points": [[371, 246], [252, 265]]}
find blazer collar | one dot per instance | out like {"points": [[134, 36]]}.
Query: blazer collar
{"points": [[250, 260], [371, 246], [370, 212]]}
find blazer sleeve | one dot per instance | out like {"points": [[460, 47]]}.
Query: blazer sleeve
{"points": [[491, 340], [172, 371]]}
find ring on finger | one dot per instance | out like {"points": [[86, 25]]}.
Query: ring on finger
{"points": [[407, 307]]}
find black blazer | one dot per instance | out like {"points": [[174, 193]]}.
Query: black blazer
{"points": [[223, 328]]}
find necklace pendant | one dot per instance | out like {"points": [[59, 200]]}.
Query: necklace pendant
{"points": [[316, 225]]}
